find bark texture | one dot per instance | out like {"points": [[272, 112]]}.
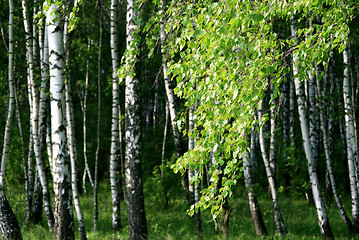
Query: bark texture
{"points": [[114, 157], [137, 226], [270, 175], [252, 197], [64, 224], [323, 219]]}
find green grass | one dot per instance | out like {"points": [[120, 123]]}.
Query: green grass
{"points": [[173, 223]]}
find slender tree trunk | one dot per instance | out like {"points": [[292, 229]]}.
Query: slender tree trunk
{"points": [[114, 157], [313, 115], [35, 120], [285, 129], [325, 125], [252, 197], [350, 139], [272, 142], [137, 226], [44, 88], [291, 114], [213, 162], [170, 94], [71, 140], [155, 103], [163, 152], [87, 169], [270, 175], [10, 111], [9, 226], [164, 138], [303, 118], [194, 188], [64, 224], [95, 198]]}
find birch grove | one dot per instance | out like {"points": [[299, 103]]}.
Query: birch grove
{"points": [[261, 99]]}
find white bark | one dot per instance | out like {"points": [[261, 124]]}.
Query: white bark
{"points": [[252, 197], [169, 90], [350, 139], [164, 138], [114, 157], [10, 111], [71, 141], [137, 226], [35, 119], [272, 160], [64, 225], [325, 125], [303, 118], [193, 187], [270, 176], [87, 169]]}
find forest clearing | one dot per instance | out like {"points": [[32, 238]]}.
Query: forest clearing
{"points": [[140, 119]]}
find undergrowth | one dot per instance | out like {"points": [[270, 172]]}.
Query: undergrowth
{"points": [[174, 223]]}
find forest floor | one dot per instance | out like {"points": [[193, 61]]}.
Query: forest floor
{"points": [[173, 223]]}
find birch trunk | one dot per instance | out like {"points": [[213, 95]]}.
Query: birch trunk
{"points": [[35, 120], [285, 129], [87, 169], [163, 151], [170, 94], [325, 126], [164, 138], [291, 114], [155, 103], [194, 187], [64, 224], [270, 175], [71, 140], [10, 111], [303, 118], [313, 117], [350, 139], [114, 157], [137, 226], [9, 226], [272, 160], [95, 198], [252, 197]]}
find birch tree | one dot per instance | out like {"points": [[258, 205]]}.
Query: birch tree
{"points": [[34, 119], [195, 190], [326, 124], [252, 197], [114, 157], [169, 91], [64, 225], [9, 226], [137, 226], [303, 118], [350, 137], [270, 175], [95, 216], [71, 140]]}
